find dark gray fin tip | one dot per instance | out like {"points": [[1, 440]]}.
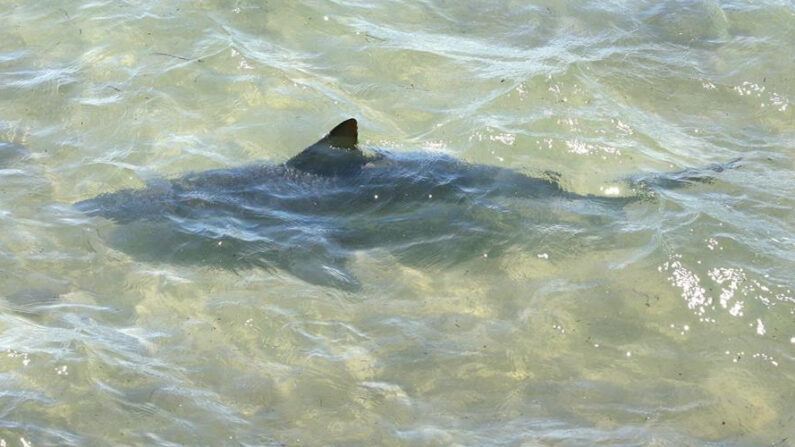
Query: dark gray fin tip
{"points": [[345, 135], [335, 154]]}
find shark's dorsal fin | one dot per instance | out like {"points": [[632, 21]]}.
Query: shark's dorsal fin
{"points": [[334, 154], [344, 136]]}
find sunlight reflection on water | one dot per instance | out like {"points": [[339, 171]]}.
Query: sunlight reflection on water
{"points": [[667, 322]]}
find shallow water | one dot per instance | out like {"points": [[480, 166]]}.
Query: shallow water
{"points": [[677, 327]]}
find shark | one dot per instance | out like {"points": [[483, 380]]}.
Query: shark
{"points": [[309, 215]]}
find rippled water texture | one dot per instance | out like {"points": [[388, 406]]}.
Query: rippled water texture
{"points": [[671, 322]]}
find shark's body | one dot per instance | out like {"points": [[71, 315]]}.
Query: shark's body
{"points": [[307, 215]]}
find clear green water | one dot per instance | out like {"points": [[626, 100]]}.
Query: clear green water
{"points": [[678, 332]]}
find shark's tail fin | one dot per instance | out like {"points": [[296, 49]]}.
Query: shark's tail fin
{"points": [[680, 179]]}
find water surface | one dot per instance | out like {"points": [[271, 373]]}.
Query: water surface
{"points": [[674, 327]]}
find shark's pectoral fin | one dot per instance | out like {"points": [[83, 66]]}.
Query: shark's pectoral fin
{"points": [[315, 260], [334, 154]]}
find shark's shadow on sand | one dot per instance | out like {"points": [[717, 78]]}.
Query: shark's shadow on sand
{"points": [[310, 214]]}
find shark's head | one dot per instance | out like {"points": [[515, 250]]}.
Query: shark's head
{"points": [[336, 154]]}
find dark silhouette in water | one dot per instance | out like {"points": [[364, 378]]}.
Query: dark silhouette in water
{"points": [[308, 215]]}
